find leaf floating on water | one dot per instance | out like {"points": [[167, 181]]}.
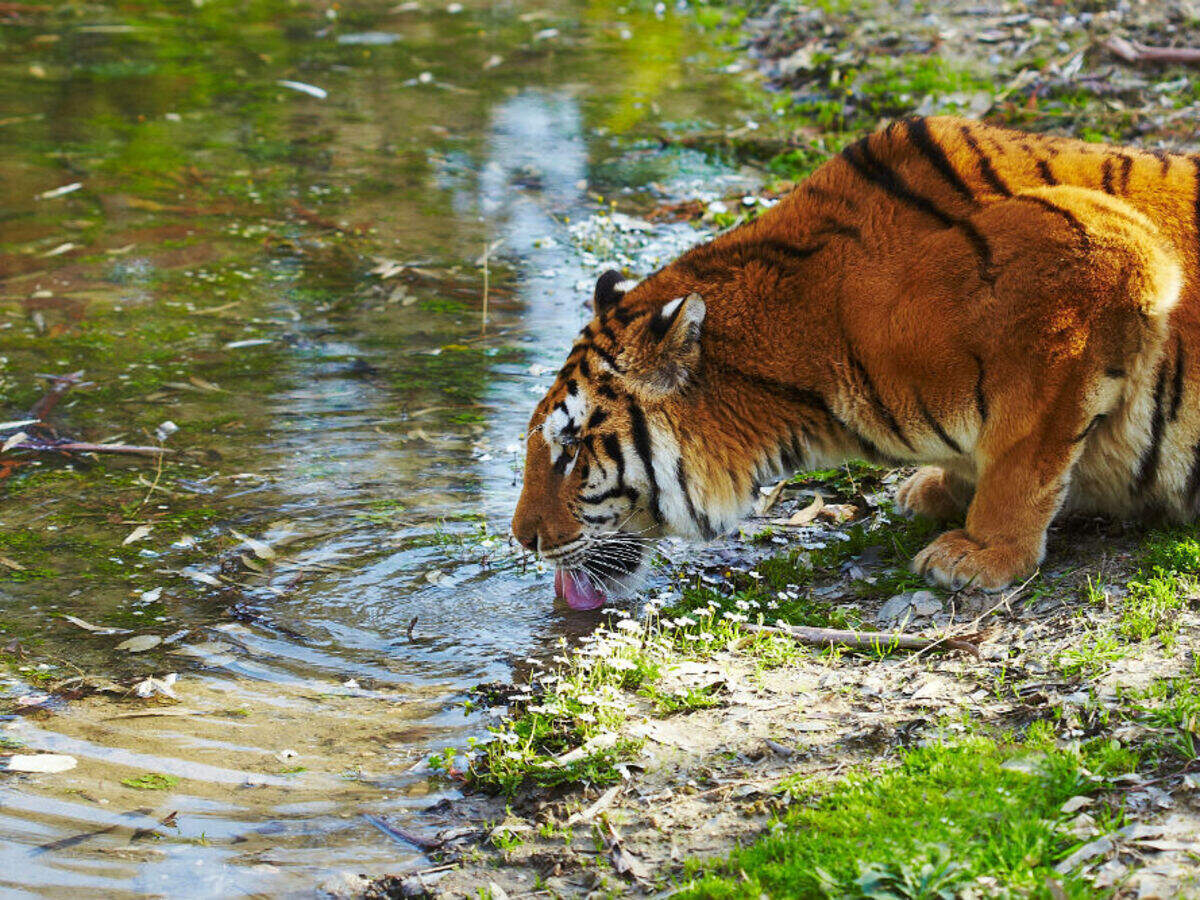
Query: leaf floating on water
{"points": [[60, 191], [41, 763], [148, 687], [261, 549], [140, 644], [204, 385], [136, 535], [202, 577], [311, 89], [13, 441], [94, 629], [387, 268]]}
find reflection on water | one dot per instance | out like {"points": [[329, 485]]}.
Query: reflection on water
{"points": [[297, 284]]}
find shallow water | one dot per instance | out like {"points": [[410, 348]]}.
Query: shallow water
{"points": [[297, 282]]}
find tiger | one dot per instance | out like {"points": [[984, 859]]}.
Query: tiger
{"points": [[1015, 315]]}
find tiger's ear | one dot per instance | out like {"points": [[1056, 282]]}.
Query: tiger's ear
{"points": [[610, 288], [674, 333]]}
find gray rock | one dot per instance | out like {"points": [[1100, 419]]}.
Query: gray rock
{"points": [[897, 607], [925, 603]]}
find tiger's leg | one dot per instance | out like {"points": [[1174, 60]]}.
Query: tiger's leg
{"points": [[932, 491], [1084, 295], [1004, 538]]}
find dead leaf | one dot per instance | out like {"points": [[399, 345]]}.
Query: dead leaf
{"points": [[839, 512], [140, 644], [94, 629], [624, 862], [808, 514], [13, 441], [136, 535], [768, 497]]}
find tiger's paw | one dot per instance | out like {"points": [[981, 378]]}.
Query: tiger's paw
{"points": [[955, 560], [926, 492]]}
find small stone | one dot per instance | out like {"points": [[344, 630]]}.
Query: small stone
{"points": [[895, 608], [925, 603], [1076, 803]]}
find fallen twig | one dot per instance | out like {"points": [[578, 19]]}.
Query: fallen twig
{"points": [[1136, 53], [866, 640], [605, 801], [82, 447], [403, 834]]}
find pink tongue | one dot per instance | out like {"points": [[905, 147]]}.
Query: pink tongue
{"points": [[577, 590]]}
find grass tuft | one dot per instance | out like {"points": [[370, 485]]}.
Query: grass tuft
{"points": [[945, 816]]}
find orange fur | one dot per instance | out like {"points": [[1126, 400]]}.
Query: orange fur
{"points": [[1017, 312]]}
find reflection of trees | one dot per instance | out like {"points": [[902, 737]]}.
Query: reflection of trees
{"points": [[642, 67]]}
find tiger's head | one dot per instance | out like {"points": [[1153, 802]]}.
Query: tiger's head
{"points": [[606, 467]]}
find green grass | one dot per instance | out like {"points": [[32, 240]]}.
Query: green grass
{"points": [[943, 817], [1164, 585]]}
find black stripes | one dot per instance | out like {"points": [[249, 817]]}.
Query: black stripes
{"points": [[711, 261], [1196, 201], [1106, 176], [859, 156], [1164, 161], [918, 132], [699, 519], [1043, 170], [641, 446], [781, 390], [934, 424], [1148, 467], [867, 165], [986, 170], [1091, 426], [1193, 482], [881, 410], [1126, 170], [1077, 227], [1177, 380], [981, 404]]}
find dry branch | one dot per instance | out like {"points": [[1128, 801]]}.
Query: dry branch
{"points": [[83, 447], [869, 641], [1135, 53]]}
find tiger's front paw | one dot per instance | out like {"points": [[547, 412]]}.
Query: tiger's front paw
{"points": [[955, 560], [928, 493]]}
